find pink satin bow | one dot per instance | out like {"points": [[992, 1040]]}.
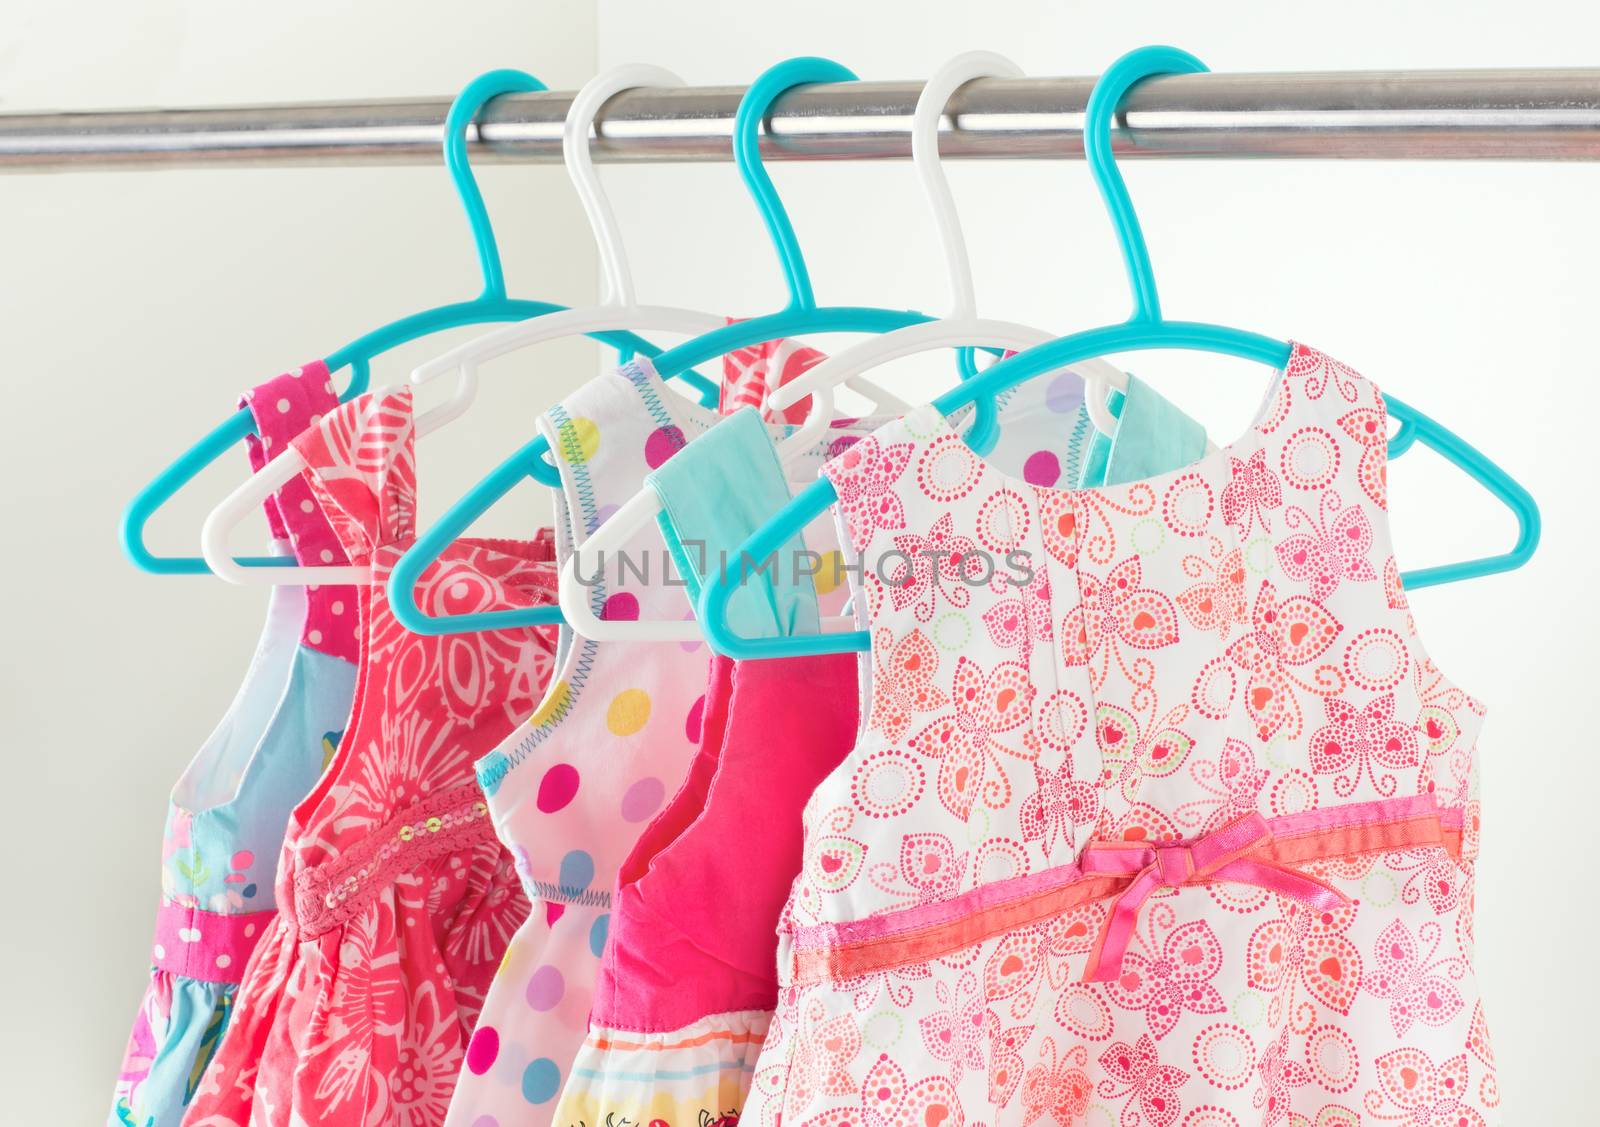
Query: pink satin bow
{"points": [[1222, 855]]}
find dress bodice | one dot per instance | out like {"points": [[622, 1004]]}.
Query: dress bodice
{"points": [[1133, 662]]}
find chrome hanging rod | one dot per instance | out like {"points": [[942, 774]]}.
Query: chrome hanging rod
{"points": [[1374, 115]]}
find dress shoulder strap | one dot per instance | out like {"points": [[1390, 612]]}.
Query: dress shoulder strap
{"points": [[1152, 436], [283, 408], [361, 464]]}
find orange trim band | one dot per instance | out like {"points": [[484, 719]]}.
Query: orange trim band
{"points": [[608, 1043]]}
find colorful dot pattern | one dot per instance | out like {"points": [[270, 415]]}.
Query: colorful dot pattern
{"points": [[579, 782], [282, 408]]}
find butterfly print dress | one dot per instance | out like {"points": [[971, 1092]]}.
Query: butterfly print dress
{"points": [[1174, 826]]}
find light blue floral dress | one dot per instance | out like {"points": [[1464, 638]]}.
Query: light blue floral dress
{"points": [[227, 815]]}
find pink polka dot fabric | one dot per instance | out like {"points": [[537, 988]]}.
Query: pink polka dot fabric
{"points": [[282, 408], [228, 810]]}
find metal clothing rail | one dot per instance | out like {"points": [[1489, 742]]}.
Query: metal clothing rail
{"points": [[1379, 115]]}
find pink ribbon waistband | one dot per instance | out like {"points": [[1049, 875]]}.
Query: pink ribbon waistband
{"points": [[207, 946], [1248, 850], [1230, 853]]}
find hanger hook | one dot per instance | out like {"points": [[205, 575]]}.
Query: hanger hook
{"points": [[463, 110], [925, 119], [575, 134], [1098, 118], [747, 120]]}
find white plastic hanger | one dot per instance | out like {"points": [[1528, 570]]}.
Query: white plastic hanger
{"points": [[618, 308], [963, 327]]}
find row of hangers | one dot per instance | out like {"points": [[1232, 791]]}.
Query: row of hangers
{"points": [[618, 319]]}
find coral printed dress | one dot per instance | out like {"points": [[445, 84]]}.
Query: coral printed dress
{"points": [[395, 899], [1173, 826]]}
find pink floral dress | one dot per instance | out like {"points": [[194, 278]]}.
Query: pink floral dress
{"points": [[1162, 815], [395, 899]]}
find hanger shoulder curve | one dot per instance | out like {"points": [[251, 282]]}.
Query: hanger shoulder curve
{"points": [[924, 336]]}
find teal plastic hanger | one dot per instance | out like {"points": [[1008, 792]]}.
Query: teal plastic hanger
{"points": [[1145, 329], [801, 315], [491, 305]]}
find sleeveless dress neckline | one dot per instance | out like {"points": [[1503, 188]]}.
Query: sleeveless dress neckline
{"points": [[931, 418]]}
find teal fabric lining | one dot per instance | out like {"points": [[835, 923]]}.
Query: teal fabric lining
{"points": [[714, 494], [1152, 437]]}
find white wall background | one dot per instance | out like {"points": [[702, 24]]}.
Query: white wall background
{"points": [[136, 306]]}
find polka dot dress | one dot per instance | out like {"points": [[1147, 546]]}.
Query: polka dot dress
{"points": [[571, 791], [572, 788]]}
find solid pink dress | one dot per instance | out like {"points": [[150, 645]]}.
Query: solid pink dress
{"points": [[688, 981], [396, 900]]}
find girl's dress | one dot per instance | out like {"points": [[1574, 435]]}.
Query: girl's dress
{"points": [[572, 789], [687, 981], [395, 900], [227, 814], [1192, 847]]}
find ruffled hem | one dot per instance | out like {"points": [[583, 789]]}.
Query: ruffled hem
{"points": [[176, 1032]]}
